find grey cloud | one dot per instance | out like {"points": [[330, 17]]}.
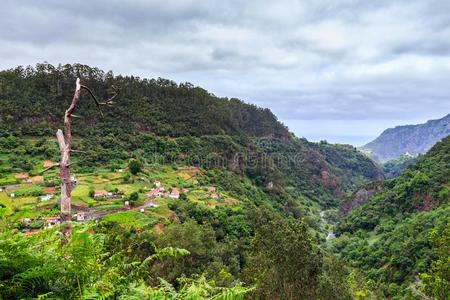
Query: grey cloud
{"points": [[310, 61]]}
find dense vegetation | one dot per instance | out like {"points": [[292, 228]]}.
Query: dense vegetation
{"points": [[202, 248], [395, 167], [161, 121], [34, 100], [391, 237], [262, 235]]}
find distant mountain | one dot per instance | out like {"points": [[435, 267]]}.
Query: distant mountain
{"points": [[409, 139]]}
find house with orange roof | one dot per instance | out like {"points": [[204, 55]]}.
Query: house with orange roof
{"points": [[175, 193], [49, 190], [155, 192]]}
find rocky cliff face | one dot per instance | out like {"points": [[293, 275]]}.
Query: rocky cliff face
{"points": [[412, 139], [359, 198]]}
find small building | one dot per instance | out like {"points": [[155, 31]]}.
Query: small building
{"points": [[174, 194], [73, 180], [81, 216], [127, 205], [185, 191], [142, 210], [52, 221], [12, 195], [114, 195], [153, 193], [100, 194], [157, 183], [49, 190], [46, 197], [26, 221], [211, 189], [1, 190], [215, 196], [151, 204]]}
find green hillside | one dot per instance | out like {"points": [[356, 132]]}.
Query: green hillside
{"points": [[168, 122], [241, 194], [392, 238], [34, 100]]}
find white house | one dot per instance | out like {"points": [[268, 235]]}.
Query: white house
{"points": [[51, 221], [81, 216], [46, 197], [151, 204]]}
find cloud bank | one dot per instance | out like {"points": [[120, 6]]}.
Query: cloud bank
{"points": [[336, 70]]}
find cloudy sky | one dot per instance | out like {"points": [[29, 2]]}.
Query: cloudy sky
{"points": [[337, 70]]}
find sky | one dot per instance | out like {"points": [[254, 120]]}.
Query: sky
{"points": [[341, 71]]}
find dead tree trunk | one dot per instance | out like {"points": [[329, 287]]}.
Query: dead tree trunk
{"points": [[65, 147]]}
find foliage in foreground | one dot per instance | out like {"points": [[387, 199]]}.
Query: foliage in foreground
{"points": [[76, 265]]}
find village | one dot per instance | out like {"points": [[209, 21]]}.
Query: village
{"points": [[34, 202]]}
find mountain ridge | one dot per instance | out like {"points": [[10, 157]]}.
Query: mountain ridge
{"points": [[407, 139]]}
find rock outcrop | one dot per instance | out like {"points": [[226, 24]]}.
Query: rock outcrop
{"points": [[359, 198]]}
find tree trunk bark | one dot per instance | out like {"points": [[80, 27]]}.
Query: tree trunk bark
{"points": [[65, 147]]}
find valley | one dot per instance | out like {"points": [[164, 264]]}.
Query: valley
{"points": [[179, 194]]}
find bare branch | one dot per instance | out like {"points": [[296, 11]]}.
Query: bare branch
{"points": [[92, 95], [49, 168], [77, 151], [108, 102]]}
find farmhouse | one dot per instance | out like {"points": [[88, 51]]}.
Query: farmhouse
{"points": [[150, 204], [26, 221], [175, 194], [100, 194], [127, 205], [51, 221], [49, 190], [46, 197], [73, 180], [82, 216], [108, 195], [156, 192]]}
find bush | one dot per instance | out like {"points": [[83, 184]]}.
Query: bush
{"points": [[134, 196], [135, 167]]}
